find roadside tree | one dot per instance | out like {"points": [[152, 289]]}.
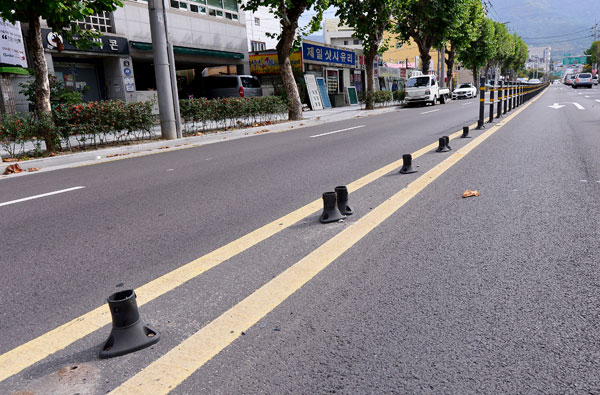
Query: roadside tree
{"points": [[463, 33], [288, 12], [480, 50], [60, 16], [427, 22], [369, 19]]}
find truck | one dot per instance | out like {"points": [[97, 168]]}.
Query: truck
{"points": [[425, 89]]}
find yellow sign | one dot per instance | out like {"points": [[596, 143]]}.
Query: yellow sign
{"points": [[268, 63]]}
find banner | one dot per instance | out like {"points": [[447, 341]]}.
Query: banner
{"points": [[268, 63], [12, 49]]}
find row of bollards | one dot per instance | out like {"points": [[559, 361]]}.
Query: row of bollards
{"points": [[129, 333], [517, 94]]}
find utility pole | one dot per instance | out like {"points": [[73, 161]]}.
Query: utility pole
{"points": [[164, 89], [595, 39]]}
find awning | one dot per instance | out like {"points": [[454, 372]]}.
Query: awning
{"points": [[14, 70], [191, 51]]}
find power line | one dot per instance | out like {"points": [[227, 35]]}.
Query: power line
{"points": [[560, 35], [562, 41]]}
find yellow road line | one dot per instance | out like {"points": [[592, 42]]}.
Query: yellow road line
{"points": [[170, 370], [27, 354]]}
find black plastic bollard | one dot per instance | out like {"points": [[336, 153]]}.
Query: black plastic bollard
{"points": [[342, 200], [500, 96], [465, 134], [481, 103], [407, 165], [447, 140], [331, 212], [128, 333], [492, 94], [442, 145]]}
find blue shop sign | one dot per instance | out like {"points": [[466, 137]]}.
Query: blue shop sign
{"points": [[319, 53]]}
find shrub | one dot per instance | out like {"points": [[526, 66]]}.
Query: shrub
{"points": [[232, 111]]}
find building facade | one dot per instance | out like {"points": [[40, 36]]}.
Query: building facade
{"points": [[259, 25], [340, 35], [208, 37]]}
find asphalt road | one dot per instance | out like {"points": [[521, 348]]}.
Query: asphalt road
{"points": [[497, 293]]}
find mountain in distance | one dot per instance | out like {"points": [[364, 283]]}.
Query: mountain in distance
{"points": [[565, 26]]}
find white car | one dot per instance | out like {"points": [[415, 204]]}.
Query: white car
{"points": [[425, 89], [464, 91]]}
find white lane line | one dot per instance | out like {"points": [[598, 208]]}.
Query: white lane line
{"points": [[429, 112], [338, 131], [587, 96], [579, 106], [466, 104], [598, 100], [40, 196]]}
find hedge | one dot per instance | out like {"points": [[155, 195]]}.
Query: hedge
{"points": [[230, 112]]}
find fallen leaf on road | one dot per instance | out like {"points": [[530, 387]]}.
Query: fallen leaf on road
{"points": [[165, 147], [113, 155], [470, 193], [13, 169], [33, 169], [52, 154], [199, 134], [10, 160], [301, 124]]}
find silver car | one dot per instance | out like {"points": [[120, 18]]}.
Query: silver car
{"points": [[583, 79]]}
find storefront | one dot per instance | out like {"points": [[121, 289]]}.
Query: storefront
{"points": [[339, 67], [101, 72]]}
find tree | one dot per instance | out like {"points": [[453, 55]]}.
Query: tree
{"points": [[427, 22], [480, 50], [594, 52], [60, 16], [463, 33], [503, 47], [515, 62], [288, 12], [369, 19]]}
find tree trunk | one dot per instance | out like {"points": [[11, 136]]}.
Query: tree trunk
{"points": [[424, 48], [369, 59], [475, 72], [284, 47], [40, 68], [450, 66]]}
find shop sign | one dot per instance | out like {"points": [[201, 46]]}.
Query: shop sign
{"points": [[12, 49], [268, 63], [334, 56], [105, 44], [390, 72]]}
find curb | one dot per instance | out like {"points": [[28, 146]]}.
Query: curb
{"points": [[141, 149]]}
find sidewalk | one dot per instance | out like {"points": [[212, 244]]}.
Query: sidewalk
{"points": [[311, 118]]}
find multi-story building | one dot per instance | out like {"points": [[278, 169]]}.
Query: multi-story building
{"points": [[260, 24], [209, 36], [336, 34]]}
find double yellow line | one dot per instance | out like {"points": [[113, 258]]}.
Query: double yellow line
{"points": [[171, 369]]}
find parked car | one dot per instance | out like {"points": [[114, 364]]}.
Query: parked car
{"points": [[425, 89], [464, 91], [595, 79], [582, 79], [215, 86], [534, 81]]}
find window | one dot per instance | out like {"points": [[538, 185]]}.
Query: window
{"points": [[398, 45], [345, 42], [257, 46], [219, 8], [356, 42], [101, 22], [257, 21]]}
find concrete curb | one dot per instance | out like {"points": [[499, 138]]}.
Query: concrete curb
{"points": [[135, 150]]}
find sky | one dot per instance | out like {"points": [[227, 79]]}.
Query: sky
{"points": [[564, 25]]}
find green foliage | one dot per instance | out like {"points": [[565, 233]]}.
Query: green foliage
{"points": [[58, 93], [428, 22], [369, 19], [594, 51], [289, 11], [480, 50], [59, 15], [229, 112]]}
